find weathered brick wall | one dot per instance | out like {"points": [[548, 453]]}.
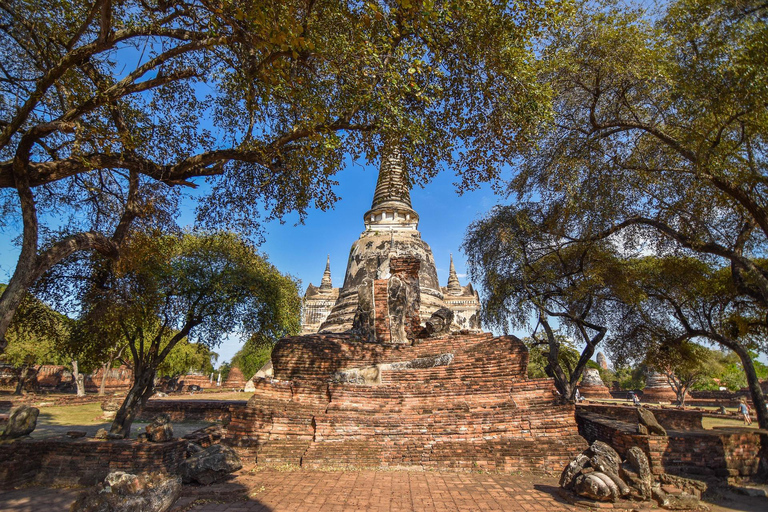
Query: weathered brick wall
{"points": [[675, 419], [318, 356], [82, 461], [118, 379], [477, 411], [721, 452], [201, 381], [189, 410], [381, 310]]}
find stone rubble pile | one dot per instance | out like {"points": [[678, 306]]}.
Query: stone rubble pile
{"points": [[599, 474], [209, 465], [125, 492]]}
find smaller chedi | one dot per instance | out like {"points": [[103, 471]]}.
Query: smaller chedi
{"points": [[235, 379], [657, 388], [318, 302], [592, 385], [602, 361]]}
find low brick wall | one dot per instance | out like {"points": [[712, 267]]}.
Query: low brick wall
{"points": [[720, 452], [83, 461], [671, 419], [190, 410]]}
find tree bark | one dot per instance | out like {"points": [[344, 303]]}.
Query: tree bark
{"points": [[141, 389], [102, 387], [79, 379], [753, 383], [23, 374]]}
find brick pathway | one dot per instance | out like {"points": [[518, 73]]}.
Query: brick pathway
{"points": [[272, 490], [377, 491]]}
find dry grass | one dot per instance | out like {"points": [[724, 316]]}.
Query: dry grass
{"points": [[86, 414], [709, 423]]}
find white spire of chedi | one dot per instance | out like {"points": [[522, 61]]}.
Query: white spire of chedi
{"points": [[454, 286], [391, 206], [325, 284]]}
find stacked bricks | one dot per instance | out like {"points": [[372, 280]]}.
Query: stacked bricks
{"points": [[118, 379], [188, 410], [477, 411], [670, 419], [381, 310], [235, 379], [83, 461]]}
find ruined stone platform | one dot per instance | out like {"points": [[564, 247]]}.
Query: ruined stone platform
{"points": [[459, 401]]}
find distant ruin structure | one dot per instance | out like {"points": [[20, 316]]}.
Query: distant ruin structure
{"points": [[592, 386], [657, 388], [390, 231]]}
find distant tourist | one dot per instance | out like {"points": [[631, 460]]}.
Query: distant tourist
{"points": [[635, 399], [744, 411], [578, 396]]}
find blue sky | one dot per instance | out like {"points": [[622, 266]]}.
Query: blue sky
{"points": [[300, 250]]}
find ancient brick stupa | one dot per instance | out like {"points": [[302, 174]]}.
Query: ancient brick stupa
{"points": [[235, 379], [592, 386], [393, 382], [657, 388]]}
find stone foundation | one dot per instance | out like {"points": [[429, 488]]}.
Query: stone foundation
{"points": [[454, 402], [82, 461]]}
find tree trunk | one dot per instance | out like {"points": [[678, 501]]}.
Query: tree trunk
{"points": [[758, 398], [79, 379], [23, 373], [141, 389], [103, 386], [22, 279]]}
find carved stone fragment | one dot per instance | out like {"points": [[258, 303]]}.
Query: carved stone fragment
{"points": [[647, 418], [363, 323], [440, 322]]}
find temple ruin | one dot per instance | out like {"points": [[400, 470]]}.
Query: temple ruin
{"points": [[399, 373], [390, 230]]}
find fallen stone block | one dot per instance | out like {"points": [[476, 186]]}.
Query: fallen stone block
{"points": [[210, 465], [21, 422]]}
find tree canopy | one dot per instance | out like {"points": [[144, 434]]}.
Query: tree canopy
{"points": [[657, 144], [108, 109], [169, 289]]}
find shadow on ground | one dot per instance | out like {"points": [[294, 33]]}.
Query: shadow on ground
{"points": [[551, 490], [198, 498]]}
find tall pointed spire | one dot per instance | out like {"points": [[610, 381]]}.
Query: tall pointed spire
{"points": [[454, 286], [391, 206], [326, 284], [391, 187]]}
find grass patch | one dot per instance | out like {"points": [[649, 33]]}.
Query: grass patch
{"points": [[710, 423], [86, 414]]}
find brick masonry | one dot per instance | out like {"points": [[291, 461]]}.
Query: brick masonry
{"points": [[189, 410], [82, 461], [685, 450], [478, 411]]}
